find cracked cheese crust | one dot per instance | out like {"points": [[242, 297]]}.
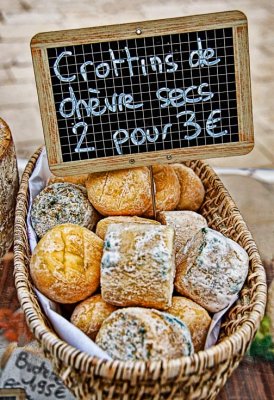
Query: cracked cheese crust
{"points": [[102, 226], [185, 223], [62, 203], [120, 192], [137, 267], [192, 189], [211, 269], [143, 334], [90, 314], [8, 187], [194, 316], [65, 264]]}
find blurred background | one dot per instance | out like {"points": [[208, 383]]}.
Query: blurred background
{"points": [[21, 19]]}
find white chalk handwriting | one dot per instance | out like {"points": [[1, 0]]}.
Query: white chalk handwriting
{"points": [[203, 56], [128, 63]]}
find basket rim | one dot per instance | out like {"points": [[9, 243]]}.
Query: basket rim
{"points": [[230, 346]]}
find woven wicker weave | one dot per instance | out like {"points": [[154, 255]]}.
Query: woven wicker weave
{"points": [[200, 376]]}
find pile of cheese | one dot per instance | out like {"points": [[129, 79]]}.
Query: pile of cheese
{"points": [[143, 280]]}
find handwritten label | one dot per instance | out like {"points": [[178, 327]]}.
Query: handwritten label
{"points": [[146, 94], [35, 376]]}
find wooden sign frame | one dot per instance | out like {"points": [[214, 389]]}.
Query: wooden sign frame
{"points": [[16, 394], [43, 41]]}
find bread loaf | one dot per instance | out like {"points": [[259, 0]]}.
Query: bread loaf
{"points": [[211, 269], [192, 191], [65, 265], [76, 179], [143, 334], [90, 314], [194, 316], [167, 189], [120, 192], [137, 266]]}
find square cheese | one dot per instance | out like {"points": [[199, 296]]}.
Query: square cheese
{"points": [[185, 223], [138, 266]]}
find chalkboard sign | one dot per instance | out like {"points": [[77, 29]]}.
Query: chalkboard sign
{"points": [[141, 93]]}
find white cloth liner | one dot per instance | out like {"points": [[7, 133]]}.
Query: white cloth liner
{"points": [[67, 331]]}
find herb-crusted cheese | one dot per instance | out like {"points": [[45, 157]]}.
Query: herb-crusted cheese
{"points": [[211, 269], [137, 267], [62, 203], [144, 334]]}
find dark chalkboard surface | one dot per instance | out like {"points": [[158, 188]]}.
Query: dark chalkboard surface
{"points": [[140, 96]]}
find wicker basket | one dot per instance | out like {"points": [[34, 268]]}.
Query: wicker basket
{"points": [[200, 376]]}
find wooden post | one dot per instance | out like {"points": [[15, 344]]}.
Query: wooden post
{"points": [[153, 194], [8, 187]]}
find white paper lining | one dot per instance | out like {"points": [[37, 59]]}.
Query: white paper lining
{"points": [[67, 331]]}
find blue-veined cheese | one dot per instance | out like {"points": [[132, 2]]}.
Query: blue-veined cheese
{"points": [[137, 267], [144, 334], [211, 269], [185, 223]]}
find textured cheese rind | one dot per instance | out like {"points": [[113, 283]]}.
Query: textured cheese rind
{"points": [[137, 267], [102, 225], [211, 269], [167, 189], [185, 223], [9, 180], [65, 264], [143, 334], [120, 192], [194, 316], [90, 314], [62, 203], [76, 179], [180, 336], [192, 189]]}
